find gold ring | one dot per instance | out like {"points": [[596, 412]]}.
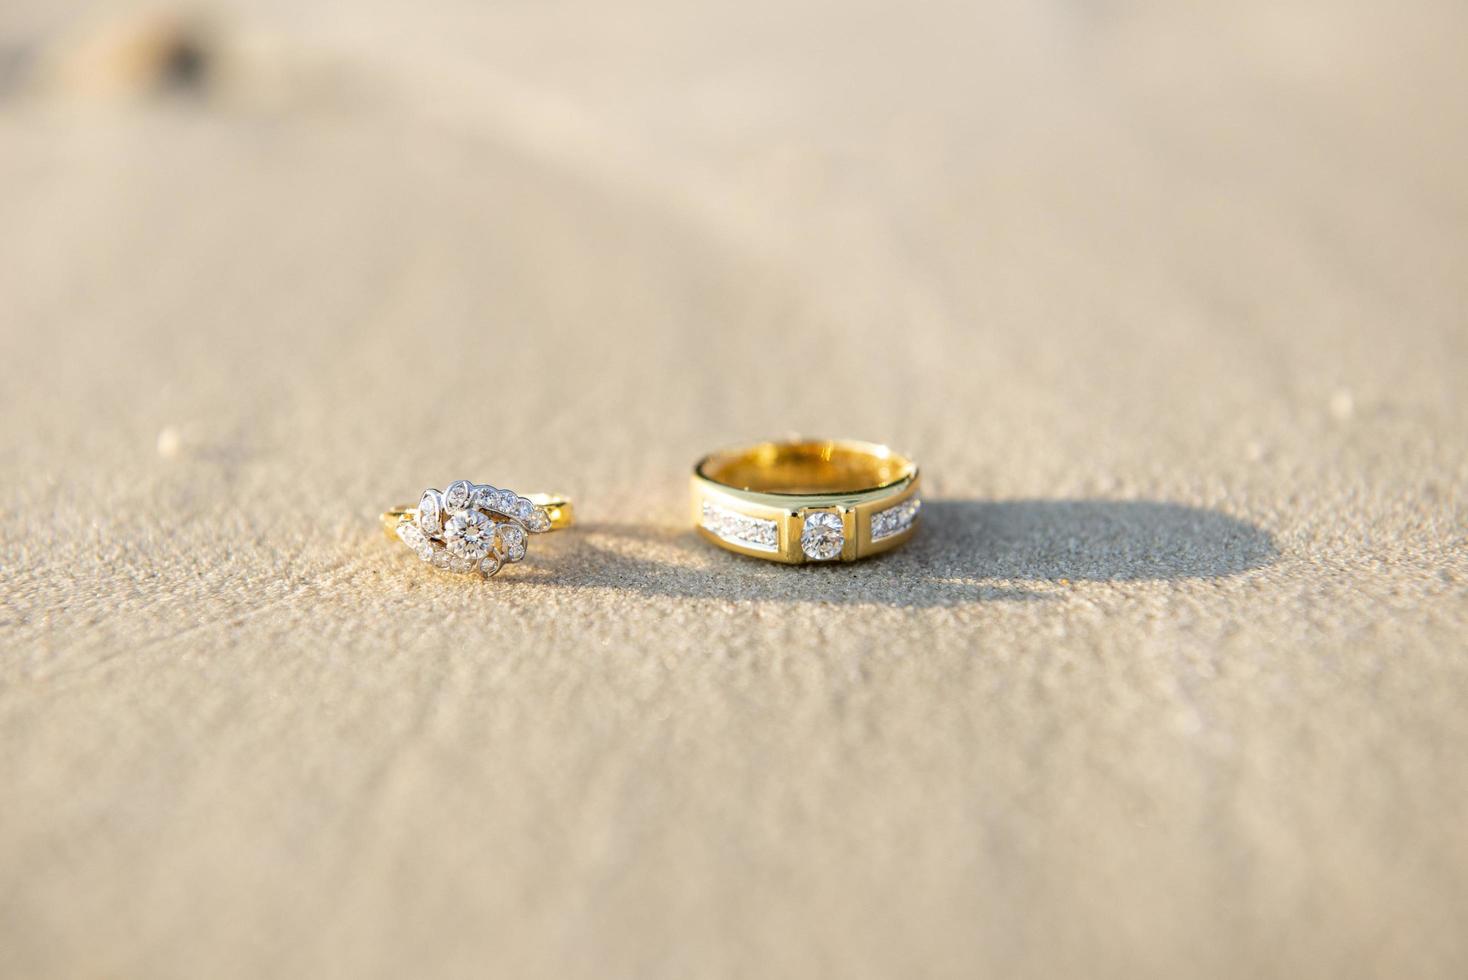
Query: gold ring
{"points": [[810, 500], [475, 527]]}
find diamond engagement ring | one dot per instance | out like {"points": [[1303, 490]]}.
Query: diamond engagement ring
{"points": [[473, 527], [809, 500]]}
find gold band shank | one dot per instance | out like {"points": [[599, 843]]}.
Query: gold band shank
{"points": [[807, 467]]}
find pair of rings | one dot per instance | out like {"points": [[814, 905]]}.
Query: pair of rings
{"points": [[793, 502]]}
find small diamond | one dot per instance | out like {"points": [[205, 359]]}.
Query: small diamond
{"points": [[484, 497], [410, 535], [504, 502], [740, 529], [539, 521], [524, 509], [823, 536], [414, 538], [489, 565], [456, 497], [430, 512], [512, 541], [469, 535], [895, 519], [442, 559]]}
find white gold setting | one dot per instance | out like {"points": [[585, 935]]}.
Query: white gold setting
{"points": [[471, 527], [896, 519], [741, 529]]}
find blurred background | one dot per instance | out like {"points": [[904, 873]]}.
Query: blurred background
{"points": [[1170, 301]]}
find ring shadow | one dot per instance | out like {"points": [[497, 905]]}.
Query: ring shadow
{"points": [[965, 552]]}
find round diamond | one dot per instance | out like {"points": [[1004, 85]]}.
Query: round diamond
{"points": [[489, 565], [469, 535], [410, 535], [512, 542], [456, 497], [484, 497], [524, 509], [413, 538], [823, 536], [429, 512], [504, 502]]}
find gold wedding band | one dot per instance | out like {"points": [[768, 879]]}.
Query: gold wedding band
{"points": [[813, 500]]}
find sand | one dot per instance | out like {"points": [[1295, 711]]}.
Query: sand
{"points": [[1169, 305]]}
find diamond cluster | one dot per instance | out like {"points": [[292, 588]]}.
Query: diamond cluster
{"points": [[471, 527], [740, 529], [895, 519]]}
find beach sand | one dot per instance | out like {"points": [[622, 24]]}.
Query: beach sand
{"points": [[1170, 305]]}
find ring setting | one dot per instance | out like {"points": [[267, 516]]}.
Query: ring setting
{"points": [[475, 527], [808, 500]]}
